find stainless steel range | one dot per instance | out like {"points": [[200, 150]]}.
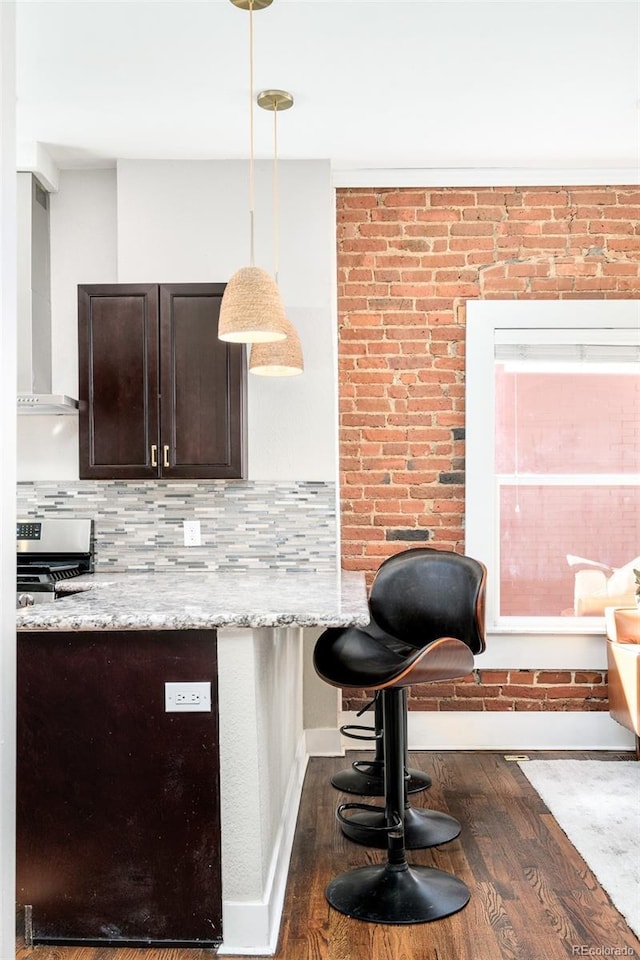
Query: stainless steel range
{"points": [[49, 551]]}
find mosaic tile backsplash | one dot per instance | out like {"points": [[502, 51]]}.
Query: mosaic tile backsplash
{"points": [[247, 525]]}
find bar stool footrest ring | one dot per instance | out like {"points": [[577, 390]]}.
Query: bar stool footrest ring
{"points": [[348, 727], [369, 808]]}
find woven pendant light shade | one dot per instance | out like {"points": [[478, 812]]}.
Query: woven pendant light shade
{"points": [[251, 310], [282, 358]]}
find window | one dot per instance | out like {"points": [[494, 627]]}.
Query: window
{"points": [[553, 457]]}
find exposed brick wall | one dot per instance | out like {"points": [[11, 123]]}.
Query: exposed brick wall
{"points": [[408, 259], [530, 690]]}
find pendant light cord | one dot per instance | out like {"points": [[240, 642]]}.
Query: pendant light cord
{"points": [[252, 257], [276, 199]]}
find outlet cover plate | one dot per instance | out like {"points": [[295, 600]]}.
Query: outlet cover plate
{"points": [[192, 536], [187, 696]]}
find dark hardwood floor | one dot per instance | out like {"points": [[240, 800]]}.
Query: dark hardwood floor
{"points": [[532, 895]]}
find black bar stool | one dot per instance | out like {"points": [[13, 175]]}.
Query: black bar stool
{"points": [[427, 610]]}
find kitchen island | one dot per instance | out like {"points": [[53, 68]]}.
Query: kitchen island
{"points": [[253, 624]]}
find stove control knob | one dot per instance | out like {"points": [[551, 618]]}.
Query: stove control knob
{"points": [[25, 600]]}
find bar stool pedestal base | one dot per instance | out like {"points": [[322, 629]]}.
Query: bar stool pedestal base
{"points": [[388, 894]]}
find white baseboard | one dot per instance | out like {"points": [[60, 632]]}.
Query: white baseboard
{"points": [[251, 928], [511, 730]]}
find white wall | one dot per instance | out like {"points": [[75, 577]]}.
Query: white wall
{"points": [[188, 221], [7, 477], [83, 250]]}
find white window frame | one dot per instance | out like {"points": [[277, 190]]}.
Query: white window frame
{"points": [[487, 321]]}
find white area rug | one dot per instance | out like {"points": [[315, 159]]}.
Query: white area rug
{"points": [[597, 804]]}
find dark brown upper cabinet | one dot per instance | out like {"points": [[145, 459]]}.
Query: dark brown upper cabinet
{"points": [[160, 395]]}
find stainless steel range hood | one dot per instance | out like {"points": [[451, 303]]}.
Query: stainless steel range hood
{"points": [[55, 403], [34, 303]]}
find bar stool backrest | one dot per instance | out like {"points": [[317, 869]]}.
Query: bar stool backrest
{"points": [[422, 594]]}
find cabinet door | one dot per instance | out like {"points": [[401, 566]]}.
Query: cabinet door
{"points": [[118, 381], [118, 810], [202, 380]]}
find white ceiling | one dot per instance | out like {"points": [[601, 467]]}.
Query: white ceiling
{"points": [[377, 83]]}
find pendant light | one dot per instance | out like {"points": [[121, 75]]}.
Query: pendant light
{"points": [[282, 358], [251, 309]]}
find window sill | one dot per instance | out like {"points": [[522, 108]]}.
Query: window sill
{"points": [[546, 646], [545, 626]]}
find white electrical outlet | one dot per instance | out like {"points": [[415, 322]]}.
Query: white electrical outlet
{"points": [[192, 696], [192, 533]]}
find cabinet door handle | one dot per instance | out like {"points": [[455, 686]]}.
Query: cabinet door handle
{"points": [[154, 454], [165, 455]]}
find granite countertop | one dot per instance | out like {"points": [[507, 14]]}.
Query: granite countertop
{"points": [[197, 600]]}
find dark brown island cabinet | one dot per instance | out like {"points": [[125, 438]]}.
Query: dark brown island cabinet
{"points": [[160, 395], [118, 802]]}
